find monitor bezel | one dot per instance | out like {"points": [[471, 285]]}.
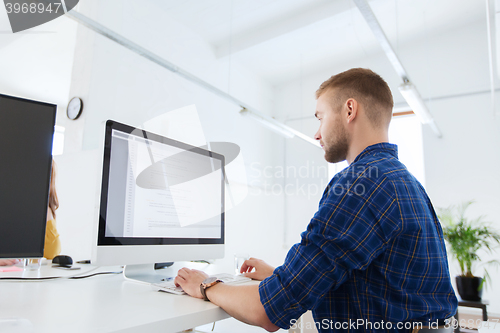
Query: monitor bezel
{"points": [[43, 213], [102, 239]]}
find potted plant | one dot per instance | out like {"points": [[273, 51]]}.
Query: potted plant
{"points": [[465, 237]]}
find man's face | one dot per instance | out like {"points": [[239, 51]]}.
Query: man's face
{"points": [[332, 134]]}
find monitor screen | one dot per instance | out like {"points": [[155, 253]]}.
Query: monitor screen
{"points": [[158, 191], [27, 129]]}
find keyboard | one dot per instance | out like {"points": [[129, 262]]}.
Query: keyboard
{"points": [[170, 287]]}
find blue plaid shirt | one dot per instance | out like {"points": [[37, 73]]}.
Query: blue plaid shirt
{"points": [[372, 258]]}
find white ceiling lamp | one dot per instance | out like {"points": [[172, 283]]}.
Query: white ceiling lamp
{"points": [[417, 104], [407, 89], [274, 125]]}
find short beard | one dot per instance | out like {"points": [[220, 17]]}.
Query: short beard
{"points": [[337, 151]]}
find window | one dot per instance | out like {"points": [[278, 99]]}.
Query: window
{"points": [[406, 132], [58, 142]]}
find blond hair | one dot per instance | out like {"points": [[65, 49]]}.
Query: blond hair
{"points": [[53, 200]]}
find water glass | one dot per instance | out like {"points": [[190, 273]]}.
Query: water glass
{"points": [[32, 264], [239, 259]]}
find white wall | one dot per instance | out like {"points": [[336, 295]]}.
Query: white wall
{"points": [[462, 165], [117, 84], [37, 64]]}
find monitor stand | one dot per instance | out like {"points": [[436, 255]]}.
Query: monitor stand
{"points": [[146, 273]]}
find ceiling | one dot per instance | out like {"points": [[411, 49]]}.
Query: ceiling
{"points": [[281, 39]]}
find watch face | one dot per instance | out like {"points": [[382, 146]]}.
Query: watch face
{"points": [[74, 108], [210, 280]]}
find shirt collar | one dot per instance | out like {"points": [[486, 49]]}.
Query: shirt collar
{"points": [[386, 147]]}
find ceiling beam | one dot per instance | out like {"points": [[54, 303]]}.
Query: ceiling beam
{"points": [[491, 33]]}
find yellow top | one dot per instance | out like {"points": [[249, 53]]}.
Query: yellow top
{"points": [[52, 243]]}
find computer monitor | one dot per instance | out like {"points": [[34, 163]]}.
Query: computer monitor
{"points": [[161, 200], [26, 134]]}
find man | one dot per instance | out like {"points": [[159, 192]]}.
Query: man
{"points": [[373, 256]]}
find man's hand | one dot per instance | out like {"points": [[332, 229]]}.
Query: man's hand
{"points": [[242, 302], [261, 269], [190, 280]]}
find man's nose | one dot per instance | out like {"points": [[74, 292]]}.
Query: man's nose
{"points": [[317, 136]]}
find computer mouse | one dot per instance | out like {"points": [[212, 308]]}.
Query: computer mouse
{"points": [[64, 261]]}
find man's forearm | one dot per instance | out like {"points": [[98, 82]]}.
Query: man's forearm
{"points": [[241, 302]]}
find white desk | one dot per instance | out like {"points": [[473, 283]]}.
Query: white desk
{"points": [[103, 303]]}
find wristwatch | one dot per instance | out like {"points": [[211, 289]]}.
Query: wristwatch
{"points": [[207, 283]]}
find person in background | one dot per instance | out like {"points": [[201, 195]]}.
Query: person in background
{"points": [[52, 245], [8, 262], [52, 242]]}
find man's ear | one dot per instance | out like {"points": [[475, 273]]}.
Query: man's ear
{"points": [[352, 109]]}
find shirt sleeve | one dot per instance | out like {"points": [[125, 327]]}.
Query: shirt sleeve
{"points": [[350, 229]]}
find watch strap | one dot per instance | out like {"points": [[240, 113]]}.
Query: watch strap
{"points": [[204, 287]]}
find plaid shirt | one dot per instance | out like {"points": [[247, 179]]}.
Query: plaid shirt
{"points": [[373, 253]]}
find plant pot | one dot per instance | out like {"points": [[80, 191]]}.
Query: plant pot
{"points": [[468, 288]]}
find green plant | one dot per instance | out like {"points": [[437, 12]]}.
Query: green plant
{"points": [[466, 236]]}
